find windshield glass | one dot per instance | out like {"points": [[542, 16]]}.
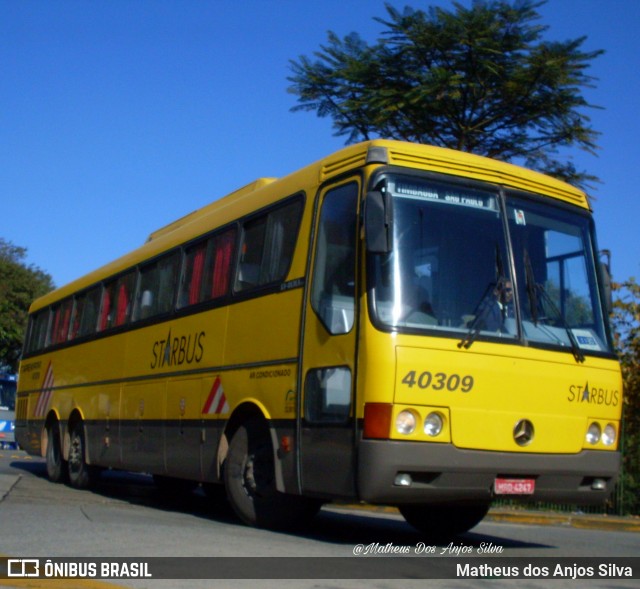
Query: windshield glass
{"points": [[556, 276], [449, 270]]}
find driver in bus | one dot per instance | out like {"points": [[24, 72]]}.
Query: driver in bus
{"points": [[501, 307]]}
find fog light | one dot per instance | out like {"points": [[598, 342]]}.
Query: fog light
{"points": [[403, 480], [599, 485], [433, 424], [609, 435], [405, 422], [593, 434]]}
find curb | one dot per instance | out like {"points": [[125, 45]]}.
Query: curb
{"points": [[573, 520]]}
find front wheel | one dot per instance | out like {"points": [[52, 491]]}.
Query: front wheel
{"points": [[444, 521], [81, 474], [249, 478]]}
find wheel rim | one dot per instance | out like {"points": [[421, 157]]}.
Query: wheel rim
{"points": [[75, 454], [256, 476]]}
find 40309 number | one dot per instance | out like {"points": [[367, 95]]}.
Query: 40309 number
{"points": [[439, 381]]}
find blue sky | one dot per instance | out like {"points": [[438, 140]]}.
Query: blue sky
{"points": [[117, 117]]}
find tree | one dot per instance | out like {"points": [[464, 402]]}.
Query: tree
{"points": [[19, 286], [626, 324], [478, 79]]}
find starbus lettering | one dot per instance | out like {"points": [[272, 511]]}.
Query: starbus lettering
{"points": [[178, 350], [583, 393]]}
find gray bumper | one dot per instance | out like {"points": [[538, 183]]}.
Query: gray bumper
{"points": [[442, 473]]}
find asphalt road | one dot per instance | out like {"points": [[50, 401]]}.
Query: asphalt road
{"points": [[127, 517]]}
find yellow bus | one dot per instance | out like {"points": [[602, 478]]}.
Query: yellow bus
{"points": [[395, 324]]}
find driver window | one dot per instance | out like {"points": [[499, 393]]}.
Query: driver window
{"points": [[333, 285]]}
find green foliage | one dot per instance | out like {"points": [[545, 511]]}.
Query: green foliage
{"points": [[19, 286], [626, 324], [477, 79]]}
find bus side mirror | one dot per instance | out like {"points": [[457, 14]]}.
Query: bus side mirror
{"points": [[605, 272], [377, 225], [608, 295]]}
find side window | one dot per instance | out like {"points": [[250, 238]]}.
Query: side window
{"points": [[61, 321], [207, 269], [219, 270], [38, 332], [251, 254], [327, 395], [333, 285], [267, 247], [195, 257], [107, 306], [124, 298], [158, 282], [117, 298], [90, 309], [76, 315]]}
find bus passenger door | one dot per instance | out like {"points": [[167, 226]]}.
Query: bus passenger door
{"points": [[326, 403]]}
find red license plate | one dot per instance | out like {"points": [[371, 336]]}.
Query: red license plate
{"points": [[514, 486]]}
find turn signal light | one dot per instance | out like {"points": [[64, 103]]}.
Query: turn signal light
{"points": [[377, 420]]}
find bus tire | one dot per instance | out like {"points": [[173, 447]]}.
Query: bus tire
{"points": [[81, 474], [444, 521], [57, 468], [249, 479]]}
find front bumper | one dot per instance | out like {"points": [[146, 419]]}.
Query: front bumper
{"points": [[442, 473]]}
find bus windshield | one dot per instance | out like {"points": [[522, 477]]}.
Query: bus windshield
{"points": [[558, 292], [449, 269]]}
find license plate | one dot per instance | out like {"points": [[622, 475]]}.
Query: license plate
{"points": [[514, 486]]}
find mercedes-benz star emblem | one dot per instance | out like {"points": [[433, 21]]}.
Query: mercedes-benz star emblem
{"points": [[523, 432]]}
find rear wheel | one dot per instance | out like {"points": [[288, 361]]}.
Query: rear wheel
{"points": [[444, 521], [81, 474], [57, 468], [249, 478]]}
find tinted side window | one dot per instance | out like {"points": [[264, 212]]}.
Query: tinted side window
{"points": [[333, 287], [124, 298], [267, 246], [76, 315], [117, 302], [207, 269], [61, 321], [38, 332], [218, 274], [107, 306], [90, 309], [191, 292], [251, 254], [158, 282]]}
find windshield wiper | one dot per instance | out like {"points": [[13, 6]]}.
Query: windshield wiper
{"points": [[533, 290], [480, 315], [530, 283], [485, 305]]}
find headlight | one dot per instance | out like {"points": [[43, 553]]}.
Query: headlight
{"points": [[433, 424], [593, 434], [609, 435], [405, 422]]}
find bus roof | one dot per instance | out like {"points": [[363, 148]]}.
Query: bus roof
{"points": [[260, 193]]}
